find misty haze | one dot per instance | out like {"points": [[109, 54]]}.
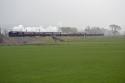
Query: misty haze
{"points": [[62, 41]]}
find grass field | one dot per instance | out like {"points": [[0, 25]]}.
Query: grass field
{"points": [[87, 61]]}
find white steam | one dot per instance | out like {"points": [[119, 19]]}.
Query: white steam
{"points": [[36, 29]]}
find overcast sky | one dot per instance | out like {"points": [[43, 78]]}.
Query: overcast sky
{"points": [[66, 12]]}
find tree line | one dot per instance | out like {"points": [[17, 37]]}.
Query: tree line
{"points": [[113, 29]]}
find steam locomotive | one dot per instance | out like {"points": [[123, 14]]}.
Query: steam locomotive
{"points": [[43, 34]]}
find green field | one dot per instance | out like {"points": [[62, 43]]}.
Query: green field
{"points": [[86, 61]]}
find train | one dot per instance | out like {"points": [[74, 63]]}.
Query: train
{"points": [[43, 34]]}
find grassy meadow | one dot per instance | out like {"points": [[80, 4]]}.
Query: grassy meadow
{"points": [[87, 61]]}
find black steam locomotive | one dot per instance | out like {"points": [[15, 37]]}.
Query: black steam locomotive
{"points": [[31, 34]]}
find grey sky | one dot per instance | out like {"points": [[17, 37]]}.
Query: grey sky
{"points": [[68, 12]]}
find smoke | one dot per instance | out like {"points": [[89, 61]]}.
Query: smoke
{"points": [[35, 29]]}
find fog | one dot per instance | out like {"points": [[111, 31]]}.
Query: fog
{"points": [[76, 13]]}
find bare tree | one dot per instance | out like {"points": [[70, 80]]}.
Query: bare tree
{"points": [[94, 30], [68, 29], [87, 29], [115, 28]]}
